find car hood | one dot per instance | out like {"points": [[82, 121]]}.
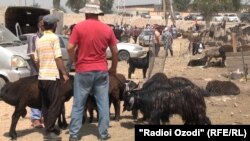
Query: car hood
{"points": [[18, 50]]}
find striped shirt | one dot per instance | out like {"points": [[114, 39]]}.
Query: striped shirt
{"points": [[47, 50]]}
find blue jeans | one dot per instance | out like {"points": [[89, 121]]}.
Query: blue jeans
{"points": [[35, 114], [84, 83]]}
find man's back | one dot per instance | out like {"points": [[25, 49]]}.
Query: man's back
{"points": [[92, 37]]}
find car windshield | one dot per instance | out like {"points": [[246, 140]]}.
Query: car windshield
{"points": [[6, 36]]}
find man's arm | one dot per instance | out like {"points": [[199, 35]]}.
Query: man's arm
{"points": [[71, 51], [157, 37], [61, 67], [114, 51]]}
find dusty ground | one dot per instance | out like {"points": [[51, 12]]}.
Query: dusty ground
{"points": [[221, 110]]}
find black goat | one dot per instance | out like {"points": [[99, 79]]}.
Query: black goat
{"points": [[217, 88], [203, 61], [161, 97], [198, 62], [25, 92], [159, 104], [140, 63]]}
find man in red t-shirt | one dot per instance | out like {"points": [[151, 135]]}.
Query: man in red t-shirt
{"points": [[92, 38]]}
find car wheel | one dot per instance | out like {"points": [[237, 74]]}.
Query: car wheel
{"points": [[2, 82], [123, 55]]}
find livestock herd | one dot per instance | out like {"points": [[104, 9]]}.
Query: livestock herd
{"points": [[159, 98]]}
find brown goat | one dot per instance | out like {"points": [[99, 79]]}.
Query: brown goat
{"points": [[116, 90]]}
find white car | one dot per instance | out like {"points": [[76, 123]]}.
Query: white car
{"points": [[217, 18], [127, 50], [14, 60], [232, 17]]}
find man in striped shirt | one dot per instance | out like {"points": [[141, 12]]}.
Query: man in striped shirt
{"points": [[48, 57]]}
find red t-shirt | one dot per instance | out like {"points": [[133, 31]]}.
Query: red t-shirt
{"points": [[92, 38]]}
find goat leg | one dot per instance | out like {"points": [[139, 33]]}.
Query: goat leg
{"points": [[19, 111], [84, 116], [117, 109], [91, 114], [154, 117], [62, 123], [130, 70], [144, 71], [135, 113]]}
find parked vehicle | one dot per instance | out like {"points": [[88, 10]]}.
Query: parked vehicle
{"points": [[125, 14], [245, 16], [127, 50], [13, 62], [197, 17], [217, 18], [145, 15], [22, 20], [232, 17], [178, 16]]}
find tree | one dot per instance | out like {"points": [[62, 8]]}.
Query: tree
{"points": [[56, 4], [207, 8], [181, 5], [236, 4], [210, 7], [75, 5], [106, 5]]}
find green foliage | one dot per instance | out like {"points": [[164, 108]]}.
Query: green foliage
{"points": [[206, 7], [56, 4], [181, 5], [220, 5], [106, 5], [75, 5], [236, 4], [210, 7]]}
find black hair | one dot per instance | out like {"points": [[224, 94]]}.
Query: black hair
{"points": [[48, 25], [39, 18]]}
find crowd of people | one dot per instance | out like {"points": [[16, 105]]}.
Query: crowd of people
{"points": [[88, 41]]}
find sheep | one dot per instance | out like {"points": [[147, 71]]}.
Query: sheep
{"points": [[140, 63], [25, 92], [168, 91], [217, 88]]}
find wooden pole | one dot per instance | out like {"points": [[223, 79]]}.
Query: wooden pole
{"points": [[234, 42], [164, 12], [245, 68]]}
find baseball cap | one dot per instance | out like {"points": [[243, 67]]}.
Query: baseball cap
{"points": [[50, 19]]}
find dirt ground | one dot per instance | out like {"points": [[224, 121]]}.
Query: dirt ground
{"points": [[221, 109]]}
